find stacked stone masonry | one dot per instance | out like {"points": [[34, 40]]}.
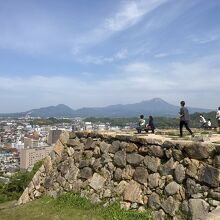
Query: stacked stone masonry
{"points": [[139, 171]]}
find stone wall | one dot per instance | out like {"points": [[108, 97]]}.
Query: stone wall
{"points": [[138, 171]]}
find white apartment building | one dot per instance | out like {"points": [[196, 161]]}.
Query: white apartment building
{"points": [[28, 157]]}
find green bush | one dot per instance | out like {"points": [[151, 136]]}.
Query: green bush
{"points": [[17, 184]]}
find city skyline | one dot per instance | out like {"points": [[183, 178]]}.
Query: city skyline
{"points": [[98, 53]]}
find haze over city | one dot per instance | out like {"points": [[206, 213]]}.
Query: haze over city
{"points": [[97, 53]]}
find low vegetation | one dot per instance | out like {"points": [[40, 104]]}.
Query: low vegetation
{"points": [[71, 206], [49, 121], [18, 182]]}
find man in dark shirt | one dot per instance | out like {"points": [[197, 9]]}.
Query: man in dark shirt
{"points": [[184, 118]]}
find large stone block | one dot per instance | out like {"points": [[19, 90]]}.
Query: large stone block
{"points": [[170, 206], [104, 147], [75, 144], [47, 164], [178, 154], [152, 163], [86, 173], [179, 173], [199, 151], [141, 175], [167, 168], [72, 174], [134, 158], [172, 188], [128, 172], [217, 161], [154, 201], [24, 197], [209, 175], [193, 168], [114, 147], [191, 187], [131, 147], [214, 195], [118, 174], [89, 143], [156, 151], [153, 180], [198, 208], [58, 148], [133, 192], [64, 137], [97, 181], [213, 215], [120, 188], [120, 159]]}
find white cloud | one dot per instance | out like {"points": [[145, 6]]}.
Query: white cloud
{"points": [[131, 83], [99, 60], [205, 38], [122, 54], [161, 55], [131, 13]]}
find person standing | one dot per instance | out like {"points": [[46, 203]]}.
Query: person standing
{"points": [[184, 119], [218, 118]]}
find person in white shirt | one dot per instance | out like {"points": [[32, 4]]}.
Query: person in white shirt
{"points": [[218, 117], [209, 124], [141, 124], [202, 121]]}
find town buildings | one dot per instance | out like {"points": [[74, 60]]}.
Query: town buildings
{"points": [[23, 143]]}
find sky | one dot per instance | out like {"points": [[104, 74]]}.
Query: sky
{"points": [[86, 53]]}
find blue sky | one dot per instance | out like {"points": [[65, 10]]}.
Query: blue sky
{"points": [[101, 52]]}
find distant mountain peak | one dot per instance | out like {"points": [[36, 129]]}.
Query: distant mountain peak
{"points": [[155, 107], [62, 105], [158, 100]]}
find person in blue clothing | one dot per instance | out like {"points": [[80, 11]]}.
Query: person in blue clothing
{"points": [[184, 119], [150, 125]]}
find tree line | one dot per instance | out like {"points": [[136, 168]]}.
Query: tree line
{"points": [[160, 122]]}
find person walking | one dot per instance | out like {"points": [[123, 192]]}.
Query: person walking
{"points": [[184, 119], [218, 118]]}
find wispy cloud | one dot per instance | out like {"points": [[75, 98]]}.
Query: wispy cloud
{"points": [[99, 60], [205, 38], [160, 55], [129, 14], [168, 54]]}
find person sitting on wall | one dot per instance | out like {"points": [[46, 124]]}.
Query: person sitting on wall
{"points": [[218, 118], [202, 121], [209, 124], [150, 126], [141, 124]]}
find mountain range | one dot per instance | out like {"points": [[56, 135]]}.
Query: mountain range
{"points": [[155, 107]]}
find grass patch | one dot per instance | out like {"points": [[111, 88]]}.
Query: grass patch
{"points": [[70, 206]]}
